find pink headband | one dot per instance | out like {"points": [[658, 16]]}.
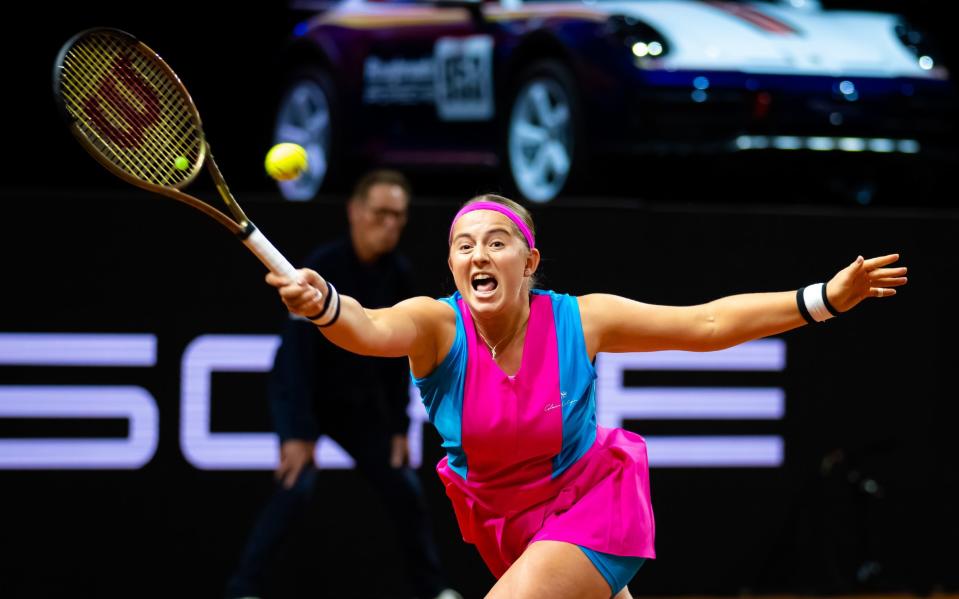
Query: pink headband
{"points": [[496, 207]]}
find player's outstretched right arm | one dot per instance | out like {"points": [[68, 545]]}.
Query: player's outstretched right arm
{"points": [[417, 327]]}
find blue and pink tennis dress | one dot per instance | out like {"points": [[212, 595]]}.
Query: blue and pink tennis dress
{"points": [[525, 460]]}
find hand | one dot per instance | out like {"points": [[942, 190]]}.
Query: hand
{"points": [[303, 296], [295, 455], [399, 451], [865, 278]]}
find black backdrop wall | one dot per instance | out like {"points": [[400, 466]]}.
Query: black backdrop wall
{"points": [[870, 394], [874, 385]]}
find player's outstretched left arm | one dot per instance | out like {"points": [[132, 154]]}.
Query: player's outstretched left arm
{"points": [[617, 324]]}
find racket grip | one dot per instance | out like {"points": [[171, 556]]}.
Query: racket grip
{"points": [[268, 254]]}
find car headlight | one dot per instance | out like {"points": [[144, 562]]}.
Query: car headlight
{"points": [[642, 40], [919, 43]]}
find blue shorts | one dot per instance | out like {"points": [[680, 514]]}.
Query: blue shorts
{"points": [[618, 570]]}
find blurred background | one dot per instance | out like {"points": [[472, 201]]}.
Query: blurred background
{"points": [[845, 484]]}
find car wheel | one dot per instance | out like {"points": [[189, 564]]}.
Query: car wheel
{"points": [[541, 133], [305, 117]]}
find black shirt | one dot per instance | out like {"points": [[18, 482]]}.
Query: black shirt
{"points": [[316, 387]]}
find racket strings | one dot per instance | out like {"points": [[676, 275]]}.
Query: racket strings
{"points": [[159, 137], [130, 110], [156, 143], [121, 120], [162, 137], [157, 164]]}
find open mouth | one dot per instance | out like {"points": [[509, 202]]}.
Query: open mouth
{"points": [[483, 283]]}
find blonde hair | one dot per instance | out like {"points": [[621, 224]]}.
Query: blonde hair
{"points": [[516, 207]]}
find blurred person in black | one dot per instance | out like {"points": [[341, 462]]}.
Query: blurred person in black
{"points": [[360, 402]]}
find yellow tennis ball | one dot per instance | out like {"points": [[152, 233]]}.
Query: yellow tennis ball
{"points": [[181, 163], [286, 161]]}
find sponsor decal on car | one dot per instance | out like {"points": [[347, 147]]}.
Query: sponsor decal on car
{"points": [[457, 78], [397, 80], [464, 78]]}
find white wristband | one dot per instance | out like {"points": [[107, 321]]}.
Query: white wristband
{"points": [[332, 311], [813, 298]]}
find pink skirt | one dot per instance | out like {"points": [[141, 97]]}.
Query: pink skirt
{"points": [[601, 502]]}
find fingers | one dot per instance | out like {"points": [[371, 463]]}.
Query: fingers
{"points": [[304, 301], [280, 281], [890, 282], [276, 280], [857, 264], [304, 277], [289, 471], [297, 294], [295, 455], [853, 271], [399, 451], [294, 473], [874, 263], [882, 281], [301, 294], [888, 272], [282, 470]]}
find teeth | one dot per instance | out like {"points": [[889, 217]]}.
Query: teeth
{"points": [[482, 276]]}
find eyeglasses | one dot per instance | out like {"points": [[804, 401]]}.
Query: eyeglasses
{"points": [[380, 215]]}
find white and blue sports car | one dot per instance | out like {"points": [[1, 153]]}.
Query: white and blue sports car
{"points": [[543, 90]]}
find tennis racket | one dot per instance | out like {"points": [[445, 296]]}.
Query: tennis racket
{"points": [[128, 109]]}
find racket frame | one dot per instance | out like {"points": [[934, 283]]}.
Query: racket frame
{"points": [[239, 224]]}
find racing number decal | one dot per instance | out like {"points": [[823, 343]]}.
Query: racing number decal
{"points": [[464, 78]]}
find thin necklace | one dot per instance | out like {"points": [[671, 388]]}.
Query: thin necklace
{"points": [[492, 348]]}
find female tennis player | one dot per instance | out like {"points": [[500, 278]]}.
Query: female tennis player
{"points": [[554, 503]]}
